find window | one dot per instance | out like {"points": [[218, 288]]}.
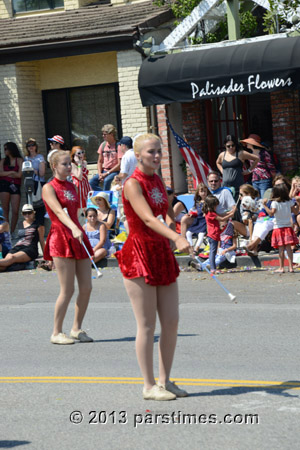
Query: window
{"points": [[36, 5], [78, 114]]}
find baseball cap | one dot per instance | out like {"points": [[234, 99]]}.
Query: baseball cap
{"points": [[169, 190], [58, 139], [126, 140], [27, 208]]}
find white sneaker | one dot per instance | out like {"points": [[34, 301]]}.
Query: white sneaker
{"points": [[171, 387], [62, 339], [80, 336]]}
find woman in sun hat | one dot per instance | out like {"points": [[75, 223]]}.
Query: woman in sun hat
{"points": [[264, 172], [105, 212]]}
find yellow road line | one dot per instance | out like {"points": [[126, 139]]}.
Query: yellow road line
{"points": [[139, 380]]}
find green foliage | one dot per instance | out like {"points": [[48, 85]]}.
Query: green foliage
{"points": [[182, 8], [280, 12]]}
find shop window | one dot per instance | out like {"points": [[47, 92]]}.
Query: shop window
{"points": [[78, 114], [227, 115], [36, 5]]}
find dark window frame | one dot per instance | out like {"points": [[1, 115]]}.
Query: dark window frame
{"points": [[26, 9], [67, 91]]}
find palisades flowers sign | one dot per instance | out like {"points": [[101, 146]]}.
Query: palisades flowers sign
{"points": [[254, 83]]}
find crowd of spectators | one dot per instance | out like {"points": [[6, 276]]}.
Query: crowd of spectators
{"points": [[235, 202]]}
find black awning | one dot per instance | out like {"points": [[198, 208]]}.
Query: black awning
{"points": [[243, 69]]}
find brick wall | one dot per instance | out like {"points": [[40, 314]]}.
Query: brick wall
{"points": [[166, 163], [5, 9], [194, 132], [286, 128], [135, 118]]}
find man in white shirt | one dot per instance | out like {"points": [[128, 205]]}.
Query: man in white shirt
{"points": [[223, 194], [129, 161]]}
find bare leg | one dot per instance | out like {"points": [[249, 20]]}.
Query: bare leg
{"points": [[167, 306], [253, 245], [10, 259], [99, 254], [143, 298], [15, 205], [240, 227], [281, 260], [290, 257], [4, 199], [66, 275], [250, 226], [84, 278]]}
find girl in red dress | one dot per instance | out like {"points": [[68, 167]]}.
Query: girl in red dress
{"points": [[149, 267], [80, 175], [64, 247]]}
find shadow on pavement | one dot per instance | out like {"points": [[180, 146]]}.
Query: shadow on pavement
{"points": [[239, 390], [132, 339], [11, 444]]}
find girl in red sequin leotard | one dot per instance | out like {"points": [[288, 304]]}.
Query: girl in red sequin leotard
{"points": [[149, 267], [64, 247]]}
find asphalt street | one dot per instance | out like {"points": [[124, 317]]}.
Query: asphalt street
{"points": [[239, 362]]}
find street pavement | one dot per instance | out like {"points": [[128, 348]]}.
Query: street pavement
{"points": [[238, 360]]}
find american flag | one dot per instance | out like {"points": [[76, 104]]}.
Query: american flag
{"points": [[199, 168]]}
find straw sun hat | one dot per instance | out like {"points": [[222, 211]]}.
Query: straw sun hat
{"points": [[253, 139], [103, 195]]}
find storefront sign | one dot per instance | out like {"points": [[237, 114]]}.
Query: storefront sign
{"points": [[253, 84]]}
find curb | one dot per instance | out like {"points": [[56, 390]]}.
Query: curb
{"points": [[264, 261]]}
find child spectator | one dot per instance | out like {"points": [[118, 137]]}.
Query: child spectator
{"points": [[5, 241], [227, 247], [194, 221], [213, 227], [79, 175], [246, 227], [116, 186], [97, 235], [283, 236]]}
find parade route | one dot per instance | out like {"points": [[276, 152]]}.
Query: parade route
{"points": [[238, 361]]}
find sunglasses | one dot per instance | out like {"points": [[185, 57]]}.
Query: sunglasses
{"points": [[230, 146], [31, 145], [27, 213], [213, 181], [79, 153]]}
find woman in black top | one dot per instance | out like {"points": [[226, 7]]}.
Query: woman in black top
{"points": [[230, 164], [26, 248]]}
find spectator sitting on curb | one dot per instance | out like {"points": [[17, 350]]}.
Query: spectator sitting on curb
{"points": [[223, 194], [5, 241], [26, 248]]}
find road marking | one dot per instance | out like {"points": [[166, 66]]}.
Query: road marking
{"points": [[137, 380]]}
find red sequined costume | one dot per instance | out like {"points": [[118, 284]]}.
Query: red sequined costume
{"points": [[146, 253], [60, 241]]}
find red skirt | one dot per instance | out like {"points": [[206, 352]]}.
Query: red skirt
{"points": [[283, 236]]}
